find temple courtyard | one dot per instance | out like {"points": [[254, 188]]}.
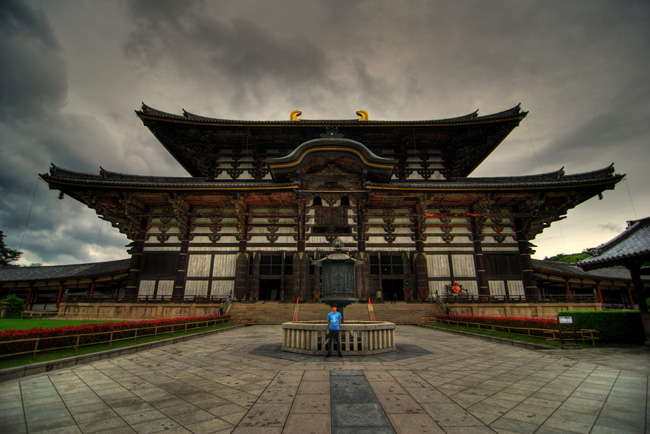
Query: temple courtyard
{"points": [[239, 381]]}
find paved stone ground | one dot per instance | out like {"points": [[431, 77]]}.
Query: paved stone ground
{"points": [[454, 384]]}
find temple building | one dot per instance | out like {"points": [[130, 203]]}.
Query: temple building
{"points": [[264, 199]]}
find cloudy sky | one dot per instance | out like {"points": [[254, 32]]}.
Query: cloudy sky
{"points": [[73, 72]]}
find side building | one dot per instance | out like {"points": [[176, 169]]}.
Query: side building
{"points": [[265, 198]]}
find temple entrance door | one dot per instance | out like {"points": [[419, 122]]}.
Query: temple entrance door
{"points": [[392, 286], [270, 289]]}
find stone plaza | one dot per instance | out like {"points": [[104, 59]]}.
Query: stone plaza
{"points": [[238, 381]]}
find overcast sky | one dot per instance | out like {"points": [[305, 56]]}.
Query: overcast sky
{"points": [[73, 72]]}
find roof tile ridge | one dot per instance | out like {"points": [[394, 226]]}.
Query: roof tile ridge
{"points": [[513, 111], [633, 227], [147, 110], [60, 172], [150, 111], [605, 172], [555, 175]]}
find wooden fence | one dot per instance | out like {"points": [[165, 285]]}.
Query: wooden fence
{"points": [[110, 336], [584, 335]]}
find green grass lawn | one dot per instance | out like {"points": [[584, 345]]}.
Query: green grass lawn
{"points": [[512, 337], [26, 359], [28, 323]]}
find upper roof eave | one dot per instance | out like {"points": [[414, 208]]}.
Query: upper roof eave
{"points": [[548, 180], [147, 112]]}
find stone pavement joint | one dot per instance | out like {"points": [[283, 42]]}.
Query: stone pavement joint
{"points": [[236, 382]]}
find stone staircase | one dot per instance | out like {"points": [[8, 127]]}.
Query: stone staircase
{"points": [[274, 312]]}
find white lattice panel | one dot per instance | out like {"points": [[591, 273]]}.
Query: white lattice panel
{"points": [[463, 265], [147, 288], [224, 265], [438, 265], [196, 287], [199, 266], [497, 287]]}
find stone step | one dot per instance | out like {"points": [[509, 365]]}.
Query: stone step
{"points": [[273, 312]]}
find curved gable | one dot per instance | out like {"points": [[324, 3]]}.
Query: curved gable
{"points": [[348, 156]]}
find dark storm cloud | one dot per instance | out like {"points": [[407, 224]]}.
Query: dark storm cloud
{"points": [[34, 132], [73, 71], [32, 76], [248, 55]]}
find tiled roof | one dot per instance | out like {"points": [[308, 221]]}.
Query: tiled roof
{"points": [[151, 112], [555, 179], [76, 271], [573, 270], [632, 243]]}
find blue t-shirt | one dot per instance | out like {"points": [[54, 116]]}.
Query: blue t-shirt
{"points": [[335, 320]]}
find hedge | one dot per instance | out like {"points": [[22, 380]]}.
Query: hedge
{"points": [[623, 326], [53, 338]]}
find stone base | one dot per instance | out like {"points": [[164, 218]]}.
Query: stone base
{"points": [[358, 337], [136, 311], [518, 310]]}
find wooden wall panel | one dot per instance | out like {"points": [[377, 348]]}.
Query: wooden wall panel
{"points": [[463, 265], [438, 265]]}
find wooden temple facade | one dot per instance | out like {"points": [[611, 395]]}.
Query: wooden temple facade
{"points": [[263, 199]]}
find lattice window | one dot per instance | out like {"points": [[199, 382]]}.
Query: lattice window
{"points": [[331, 220]]}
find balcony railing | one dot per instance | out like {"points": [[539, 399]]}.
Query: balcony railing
{"points": [[148, 299]]}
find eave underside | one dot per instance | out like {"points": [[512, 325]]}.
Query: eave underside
{"points": [[127, 203]]}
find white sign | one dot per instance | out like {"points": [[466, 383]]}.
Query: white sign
{"points": [[565, 319]]}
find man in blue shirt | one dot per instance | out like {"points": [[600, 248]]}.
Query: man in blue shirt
{"points": [[334, 319]]}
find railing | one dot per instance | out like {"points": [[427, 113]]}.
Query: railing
{"points": [[39, 313], [584, 335], [148, 299], [110, 336], [444, 298], [471, 298], [442, 306]]}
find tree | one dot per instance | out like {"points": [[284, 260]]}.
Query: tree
{"points": [[7, 255], [571, 258]]}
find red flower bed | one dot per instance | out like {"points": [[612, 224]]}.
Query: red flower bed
{"points": [[60, 337], [533, 323]]}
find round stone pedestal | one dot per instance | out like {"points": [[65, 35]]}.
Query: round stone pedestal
{"points": [[358, 338]]}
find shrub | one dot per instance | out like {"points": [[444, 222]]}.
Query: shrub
{"points": [[623, 326], [16, 306]]}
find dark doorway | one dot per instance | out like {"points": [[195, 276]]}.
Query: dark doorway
{"points": [[270, 289], [392, 286]]}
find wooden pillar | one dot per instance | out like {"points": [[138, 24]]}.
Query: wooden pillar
{"points": [[181, 271], [639, 288], [629, 294], [477, 226], [316, 281], [241, 276], [421, 276], [58, 299], [568, 289], [253, 289], [479, 262], [29, 296], [92, 288], [361, 227], [525, 250], [599, 294], [133, 282]]}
